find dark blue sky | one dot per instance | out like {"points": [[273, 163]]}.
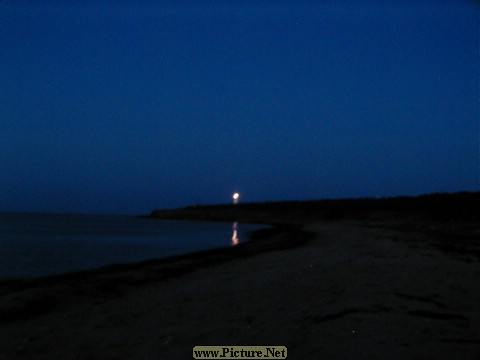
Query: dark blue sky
{"points": [[122, 106]]}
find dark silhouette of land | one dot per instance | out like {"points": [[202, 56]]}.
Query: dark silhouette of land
{"points": [[452, 207]]}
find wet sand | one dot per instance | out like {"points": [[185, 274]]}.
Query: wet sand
{"points": [[344, 289]]}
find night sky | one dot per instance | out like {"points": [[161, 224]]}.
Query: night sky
{"points": [[123, 106]]}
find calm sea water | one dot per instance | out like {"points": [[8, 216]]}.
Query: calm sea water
{"points": [[34, 245]]}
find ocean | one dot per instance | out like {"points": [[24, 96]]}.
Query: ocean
{"points": [[33, 245]]}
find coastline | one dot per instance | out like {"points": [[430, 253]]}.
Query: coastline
{"points": [[117, 278], [382, 286], [39, 245]]}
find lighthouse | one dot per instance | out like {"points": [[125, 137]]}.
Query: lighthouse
{"points": [[235, 197]]}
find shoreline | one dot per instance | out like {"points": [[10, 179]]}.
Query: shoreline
{"points": [[351, 291], [118, 278], [390, 285], [164, 238]]}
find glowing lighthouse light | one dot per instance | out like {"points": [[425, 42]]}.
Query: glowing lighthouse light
{"points": [[236, 197]]}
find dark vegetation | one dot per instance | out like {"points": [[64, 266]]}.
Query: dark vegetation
{"points": [[461, 206]]}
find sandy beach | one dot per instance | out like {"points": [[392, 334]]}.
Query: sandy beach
{"points": [[343, 289]]}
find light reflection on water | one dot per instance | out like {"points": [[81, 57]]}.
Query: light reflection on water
{"points": [[235, 239]]}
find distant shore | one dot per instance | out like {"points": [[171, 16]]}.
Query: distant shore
{"points": [[369, 278], [460, 206]]}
